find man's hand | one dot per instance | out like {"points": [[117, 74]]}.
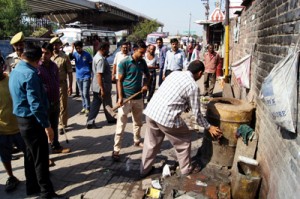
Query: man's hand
{"points": [[102, 93], [163, 77], [120, 101], [113, 78], [215, 132], [144, 89], [50, 134]]}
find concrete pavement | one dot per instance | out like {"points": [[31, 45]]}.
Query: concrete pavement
{"points": [[89, 172]]}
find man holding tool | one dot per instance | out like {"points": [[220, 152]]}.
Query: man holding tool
{"points": [[178, 93], [131, 70]]}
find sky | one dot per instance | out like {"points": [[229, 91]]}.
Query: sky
{"points": [[174, 14]]}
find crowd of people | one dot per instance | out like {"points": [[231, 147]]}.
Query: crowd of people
{"points": [[37, 81]]}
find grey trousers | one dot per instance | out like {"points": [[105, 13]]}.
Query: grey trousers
{"points": [[209, 83], [180, 138]]}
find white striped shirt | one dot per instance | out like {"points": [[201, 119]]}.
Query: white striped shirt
{"points": [[178, 92]]}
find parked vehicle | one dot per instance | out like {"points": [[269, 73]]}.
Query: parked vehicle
{"points": [[151, 38]]}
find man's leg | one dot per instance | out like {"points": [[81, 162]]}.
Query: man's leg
{"points": [[152, 85], [212, 81], [63, 99], [206, 83], [152, 142], [180, 138], [95, 106], [137, 116], [160, 80], [37, 157], [80, 87], [108, 101], [86, 93], [54, 118], [121, 124]]}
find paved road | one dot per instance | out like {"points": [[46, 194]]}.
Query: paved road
{"points": [[88, 171]]}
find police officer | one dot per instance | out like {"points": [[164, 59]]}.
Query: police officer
{"points": [[65, 87], [18, 44]]}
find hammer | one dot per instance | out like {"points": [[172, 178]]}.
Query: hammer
{"points": [[111, 110]]}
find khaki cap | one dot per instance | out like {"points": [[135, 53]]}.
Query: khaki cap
{"points": [[17, 38], [55, 40]]}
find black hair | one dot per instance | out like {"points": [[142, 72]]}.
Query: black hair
{"points": [[173, 40], [78, 43], [48, 46], [32, 52], [159, 39], [196, 66], [140, 44], [103, 45]]}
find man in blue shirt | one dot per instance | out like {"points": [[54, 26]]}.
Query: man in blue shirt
{"points": [[30, 106], [83, 65], [175, 59]]}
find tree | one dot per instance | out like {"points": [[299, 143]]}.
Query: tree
{"points": [[143, 29], [12, 18]]}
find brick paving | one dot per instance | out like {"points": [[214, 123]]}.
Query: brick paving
{"points": [[88, 171]]}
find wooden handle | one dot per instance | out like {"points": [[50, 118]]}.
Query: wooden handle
{"points": [[129, 98]]}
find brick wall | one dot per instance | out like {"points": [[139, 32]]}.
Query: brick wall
{"points": [[268, 29]]}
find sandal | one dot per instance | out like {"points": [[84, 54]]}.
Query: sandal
{"points": [[115, 156], [138, 144]]}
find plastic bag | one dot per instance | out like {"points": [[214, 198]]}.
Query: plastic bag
{"points": [[241, 70], [279, 92]]}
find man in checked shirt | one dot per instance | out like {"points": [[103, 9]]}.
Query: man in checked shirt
{"points": [[177, 94]]}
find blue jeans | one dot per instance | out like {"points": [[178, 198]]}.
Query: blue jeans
{"points": [[84, 88]]}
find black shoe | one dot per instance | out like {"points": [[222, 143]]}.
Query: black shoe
{"points": [[11, 184], [51, 196], [61, 132], [147, 174], [74, 96], [13, 157], [93, 126], [112, 122]]}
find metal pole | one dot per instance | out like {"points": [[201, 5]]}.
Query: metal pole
{"points": [[226, 62]]}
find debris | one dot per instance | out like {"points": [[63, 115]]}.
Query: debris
{"points": [[166, 171], [156, 184], [153, 193], [200, 183]]}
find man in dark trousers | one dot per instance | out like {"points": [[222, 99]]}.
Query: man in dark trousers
{"points": [[30, 105], [101, 86]]}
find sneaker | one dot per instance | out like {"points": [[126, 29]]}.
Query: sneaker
{"points": [[86, 112], [61, 150], [11, 184], [82, 111]]}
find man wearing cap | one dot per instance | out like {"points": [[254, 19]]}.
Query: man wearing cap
{"points": [[64, 69], [18, 44]]}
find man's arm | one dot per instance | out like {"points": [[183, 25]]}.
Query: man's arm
{"points": [[100, 83], [114, 70], [69, 71], [120, 89]]}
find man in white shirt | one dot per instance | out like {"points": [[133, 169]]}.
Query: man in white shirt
{"points": [[178, 93], [118, 58]]}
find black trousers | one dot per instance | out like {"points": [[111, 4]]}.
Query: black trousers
{"points": [[36, 158], [152, 84]]}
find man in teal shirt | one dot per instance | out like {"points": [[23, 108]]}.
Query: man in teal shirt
{"points": [[131, 71]]}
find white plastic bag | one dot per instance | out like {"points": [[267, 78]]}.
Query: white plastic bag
{"points": [[279, 92], [241, 70]]}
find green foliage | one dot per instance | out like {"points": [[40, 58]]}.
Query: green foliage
{"points": [[143, 29], [39, 32], [12, 18]]}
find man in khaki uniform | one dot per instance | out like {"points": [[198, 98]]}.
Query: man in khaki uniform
{"points": [[18, 44], [65, 69]]}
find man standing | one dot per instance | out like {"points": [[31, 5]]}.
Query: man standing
{"points": [[101, 86], [83, 64], [9, 131], [30, 105], [131, 70], [175, 59], [152, 63], [48, 71], [211, 61], [161, 55], [64, 69], [118, 58], [18, 44], [178, 93]]}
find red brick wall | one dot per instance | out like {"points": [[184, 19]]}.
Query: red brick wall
{"points": [[268, 29]]}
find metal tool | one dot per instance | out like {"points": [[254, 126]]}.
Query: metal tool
{"points": [[111, 110]]}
